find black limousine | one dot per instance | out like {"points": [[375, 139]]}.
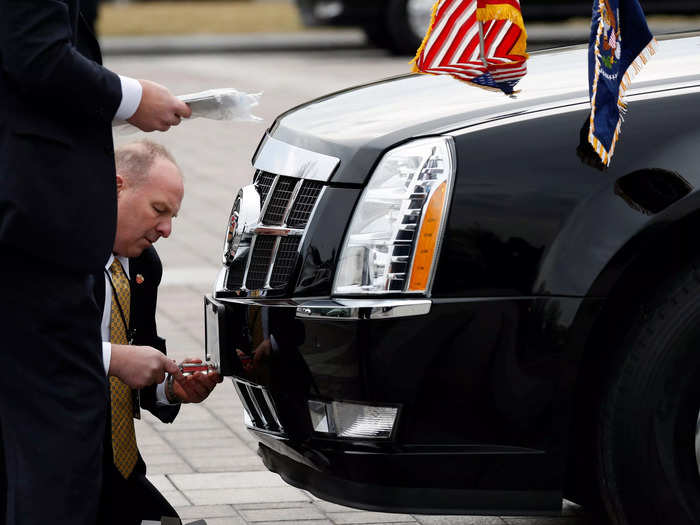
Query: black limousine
{"points": [[430, 304]]}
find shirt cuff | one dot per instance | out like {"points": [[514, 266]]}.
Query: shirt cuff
{"points": [[106, 355], [161, 398], [131, 98]]}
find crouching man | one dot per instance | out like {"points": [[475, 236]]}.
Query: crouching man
{"points": [[149, 192]]}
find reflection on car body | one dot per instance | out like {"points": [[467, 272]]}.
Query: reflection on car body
{"points": [[439, 308]]}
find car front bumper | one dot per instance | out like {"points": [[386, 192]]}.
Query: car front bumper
{"points": [[478, 383]]}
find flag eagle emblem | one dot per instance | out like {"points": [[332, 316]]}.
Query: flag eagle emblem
{"points": [[620, 45]]}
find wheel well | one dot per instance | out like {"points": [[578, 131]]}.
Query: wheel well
{"points": [[670, 250]]}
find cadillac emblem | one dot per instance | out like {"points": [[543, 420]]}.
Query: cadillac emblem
{"points": [[245, 212]]}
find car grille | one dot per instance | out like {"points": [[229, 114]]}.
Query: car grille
{"points": [[260, 261], [264, 182], [284, 263], [304, 204], [258, 406], [280, 200], [287, 203]]}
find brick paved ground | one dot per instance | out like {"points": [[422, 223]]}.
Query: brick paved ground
{"points": [[205, 463]]}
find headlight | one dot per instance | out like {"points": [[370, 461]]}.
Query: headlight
{"points": [[394, 234]]}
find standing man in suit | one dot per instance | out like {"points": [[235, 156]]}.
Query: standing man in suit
{"points": [[57, 224], [150, 190]]}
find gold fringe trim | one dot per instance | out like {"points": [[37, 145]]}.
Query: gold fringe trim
{"points": [[414, 62], [632, 70], [506, 12], [520, 47], [500, 12]]}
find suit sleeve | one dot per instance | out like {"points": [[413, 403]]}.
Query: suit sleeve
{"points": [[150, 337], [38, 54]]}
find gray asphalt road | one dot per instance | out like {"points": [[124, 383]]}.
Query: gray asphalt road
{"points": [[205, 462]]}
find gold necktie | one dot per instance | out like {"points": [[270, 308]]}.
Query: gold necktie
{"points": [[123, 435]]}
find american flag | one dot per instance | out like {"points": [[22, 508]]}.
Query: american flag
{"points": [[479, 41]]}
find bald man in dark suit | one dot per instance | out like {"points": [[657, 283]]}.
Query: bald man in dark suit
{"points": [[149, 193]]}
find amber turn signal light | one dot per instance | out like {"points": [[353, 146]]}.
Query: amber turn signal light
{"points": [[427, 240]]}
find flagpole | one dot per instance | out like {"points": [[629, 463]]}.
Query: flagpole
{"points": [[482, 45]]}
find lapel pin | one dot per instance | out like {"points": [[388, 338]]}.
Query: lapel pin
{"points": [[139, 278]]}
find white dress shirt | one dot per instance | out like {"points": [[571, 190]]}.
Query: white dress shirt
{"points": [[161, 398], [131, 98]]}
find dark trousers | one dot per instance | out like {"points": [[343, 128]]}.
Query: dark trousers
{"points": [[130, 501], [53, 394]]}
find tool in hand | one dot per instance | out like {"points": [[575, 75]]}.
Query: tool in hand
{"points": [[205, 368]]}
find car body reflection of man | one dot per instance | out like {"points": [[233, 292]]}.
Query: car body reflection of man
{"points": [[273, 358], [150, 191]]}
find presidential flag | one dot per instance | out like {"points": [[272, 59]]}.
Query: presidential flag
{"points": [[479, 41], [620, 45]]}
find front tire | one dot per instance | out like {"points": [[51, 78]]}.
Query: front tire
{"points": [[646, 461]]}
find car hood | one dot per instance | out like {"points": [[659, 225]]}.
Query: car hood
{"points": [[358, 124]]}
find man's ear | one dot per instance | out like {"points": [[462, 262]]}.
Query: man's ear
{"points": [[121, 183]]}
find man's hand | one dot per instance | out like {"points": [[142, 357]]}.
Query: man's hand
{"points": [[141, 366], [158, 109], [196, 387]]}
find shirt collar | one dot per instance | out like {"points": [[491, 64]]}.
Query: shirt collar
{"points": [[121, 259]]}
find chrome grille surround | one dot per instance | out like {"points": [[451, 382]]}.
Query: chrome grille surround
{"points": [[275, 245], [290, 182]]}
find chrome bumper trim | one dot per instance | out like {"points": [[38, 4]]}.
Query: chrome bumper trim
{"points": [[354, 309], [342, 309]]}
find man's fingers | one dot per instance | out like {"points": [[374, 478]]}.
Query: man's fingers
{"points": [[192, 393], [206, 380], [211, 380], [200, 390], [171, 367], [183, 109]]}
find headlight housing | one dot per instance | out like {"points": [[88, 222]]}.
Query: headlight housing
{"points": [[395, 232]]}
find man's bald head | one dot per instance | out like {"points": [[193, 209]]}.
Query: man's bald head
{"points": [[149, 194], [134, 160]]}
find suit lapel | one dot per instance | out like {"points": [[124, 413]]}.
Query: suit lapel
{"points": [[133, 272]]}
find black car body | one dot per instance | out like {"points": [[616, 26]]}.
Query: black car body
{"points": [[462, 376], [399, 25]]}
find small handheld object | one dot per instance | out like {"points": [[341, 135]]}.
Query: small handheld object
{"points": [[188, 369]]}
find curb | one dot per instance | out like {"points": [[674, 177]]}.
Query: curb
{"points": [[254, 42]]}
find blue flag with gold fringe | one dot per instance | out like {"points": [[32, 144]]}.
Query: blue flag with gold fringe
{"points": [[620, 45]]}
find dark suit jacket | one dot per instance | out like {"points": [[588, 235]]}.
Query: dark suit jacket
{"points": [[144, 296], [57, 180]]}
